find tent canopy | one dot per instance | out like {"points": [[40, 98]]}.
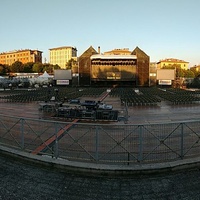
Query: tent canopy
{"points": [[45, 75]]}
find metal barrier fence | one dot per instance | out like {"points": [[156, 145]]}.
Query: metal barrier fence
{"points": [[98, 143]]}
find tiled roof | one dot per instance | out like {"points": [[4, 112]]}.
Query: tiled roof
{"points": [[173, 60]]}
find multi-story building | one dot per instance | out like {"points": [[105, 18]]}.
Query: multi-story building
{"points": [[172, 62], [24, 56], [61, 55]]}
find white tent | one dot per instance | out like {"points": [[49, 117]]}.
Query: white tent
{"points": [[45, 75], [43, 79]]}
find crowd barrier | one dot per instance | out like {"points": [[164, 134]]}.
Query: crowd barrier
{"points": [[118, 144]]}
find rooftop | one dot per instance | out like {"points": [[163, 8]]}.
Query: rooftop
{"points": [[20, 50], [173, 60], [100, 56], [63, 47]]}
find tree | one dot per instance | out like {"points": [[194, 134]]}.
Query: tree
{"points": [[17, 67], [195, 83], [179, 72], [189, 74], [195, 71], [4, 69], [37, 67], [70, 63], [28, 67]]}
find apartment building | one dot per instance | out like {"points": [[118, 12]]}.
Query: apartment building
{"points": [[172, 62], [24, 56], [61, 55]]}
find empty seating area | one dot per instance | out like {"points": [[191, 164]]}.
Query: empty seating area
{"points": [[134, 97], [128, 96], [40, 94], [153, 96], [92, 92], [61, 94], [179, 96]]}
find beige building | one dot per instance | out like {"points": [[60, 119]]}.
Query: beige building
{"points": [[124, 51], [170, 62], [61, 55], [24, 56]]}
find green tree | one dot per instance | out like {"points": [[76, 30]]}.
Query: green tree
{"points": [[1, 69], [56, 66], [195, 83], [70, 63], [17, 67], [37, 67], [28, 67], [172, 66], [4, 69], [189, 74], [193, 69], [180, 72]]}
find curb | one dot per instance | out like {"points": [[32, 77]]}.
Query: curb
{"points": [[100, 169]]}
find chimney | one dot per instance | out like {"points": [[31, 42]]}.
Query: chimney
{"points": [[99, 50]]}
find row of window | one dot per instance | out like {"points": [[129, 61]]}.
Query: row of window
{"points": [[60, 57], [15, 55], [61, 53]]}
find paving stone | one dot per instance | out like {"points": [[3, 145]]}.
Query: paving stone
{"points": [[25, 181]]}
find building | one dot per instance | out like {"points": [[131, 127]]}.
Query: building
{"points": [[84, 64], [116, 67], [113, 69], [124, 51], [142, 73], [24, 56], [152, 73], [61, 55], [172, 63]]}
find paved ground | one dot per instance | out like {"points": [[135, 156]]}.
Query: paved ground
{"points": [[136, 115], [20, 181], [24, 181]]}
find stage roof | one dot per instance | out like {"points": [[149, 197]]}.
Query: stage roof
{"points": [[100, 56]]}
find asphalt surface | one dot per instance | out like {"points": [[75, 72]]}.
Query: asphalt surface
{"points": [[23, 181], [162, 113]]}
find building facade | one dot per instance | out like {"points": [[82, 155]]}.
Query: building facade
{"points": [[124, 51], [143, 62], [61, 55], [24, 56], [172, 62], [84, 66], [116, 67], [152, 73]]}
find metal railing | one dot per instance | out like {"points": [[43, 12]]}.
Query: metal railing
{"points": [[101, 143]]}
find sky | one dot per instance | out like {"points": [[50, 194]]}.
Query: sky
{"points": [[161, 28]]}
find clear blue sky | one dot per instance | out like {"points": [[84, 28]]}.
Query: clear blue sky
{"points": [[161, 28]]}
